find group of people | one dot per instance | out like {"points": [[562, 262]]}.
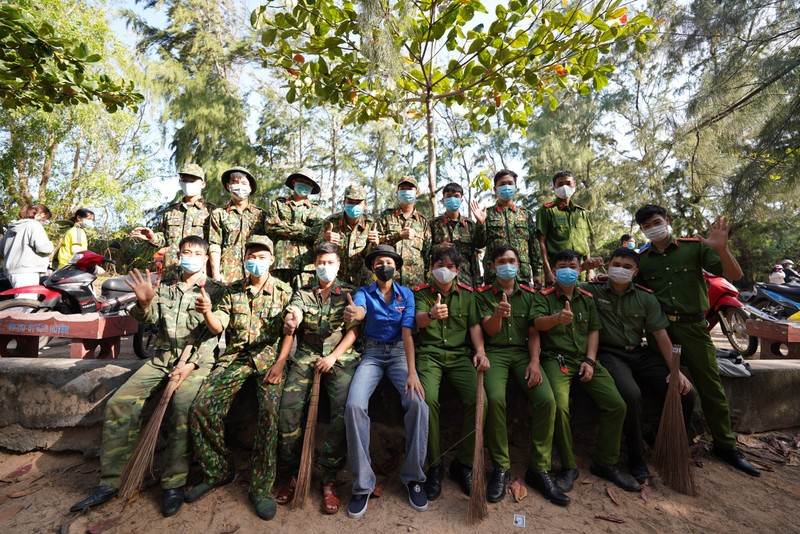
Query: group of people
{"points": [[784, 273], [404, 298]]}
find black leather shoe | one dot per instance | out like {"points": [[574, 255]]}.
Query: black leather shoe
{"points": [[463, 475], [496, 490], [100, 495], [433, 482], [736, 459], [542, 482], [612, 474], [640, 471], [566, 478], [173, 500]]}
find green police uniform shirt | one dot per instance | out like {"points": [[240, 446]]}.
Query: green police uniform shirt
{"points": [[446, 337], [565, 226], [512, 226], [514, 330], [567, 339], [293, 225], [467, 237]]}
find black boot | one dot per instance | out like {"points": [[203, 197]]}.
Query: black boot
{"points": [[566, 478], [173, 500], [100, 495], [496, 490], [463, 475], [736, 459], [433, 482], [542, 482], [612, 474]]}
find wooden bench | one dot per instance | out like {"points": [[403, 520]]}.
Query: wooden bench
{"points": [[772, 335], [87, 332]]}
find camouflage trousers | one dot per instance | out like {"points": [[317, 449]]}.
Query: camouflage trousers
{"points": [[294, 404], [122, 424], [208, 427]]}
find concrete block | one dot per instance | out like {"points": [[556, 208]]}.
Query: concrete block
{"points": [[768, 400]]}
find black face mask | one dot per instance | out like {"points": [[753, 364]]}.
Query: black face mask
{"points": [[384, 273]]}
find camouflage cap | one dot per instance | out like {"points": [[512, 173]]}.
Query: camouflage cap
{"points": [[306, 173], [355, 192], [226, 177], [408, 180], [260, 240], [193, 169]]}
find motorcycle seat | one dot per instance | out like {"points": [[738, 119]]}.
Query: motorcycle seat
{"points": [[118, 284], [790, 292]]}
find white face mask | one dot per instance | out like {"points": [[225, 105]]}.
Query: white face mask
{"points": [[565, 191], [620, 275], [239, 191], [191, 189], [443, 275], [657, 233], [327, 273]]}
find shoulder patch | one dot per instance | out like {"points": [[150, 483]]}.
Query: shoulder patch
{"points": [[643, 288], [588, 294], [465, 286], [549, 204], [688, 239], [547, 291], [484, 288], [527, 288], [420, 287]]}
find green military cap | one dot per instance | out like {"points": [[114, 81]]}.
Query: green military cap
{"points": [[259, 240], [193, 169], [355, 192], [226, 177], [306, 173], [408, 180]]}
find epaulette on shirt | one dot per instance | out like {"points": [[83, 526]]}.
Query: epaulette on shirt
{"points": [[465, 286], [484, 288], [549, 204], [586, 293], [548, 290], [688, 239], [644, 288], [527, 288], [420, 287]]}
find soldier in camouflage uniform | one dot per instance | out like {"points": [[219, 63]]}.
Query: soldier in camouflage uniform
{"points": [[465, 235], [255, 306], [186, 312], [325, 341], [511, 225], [232, 225], [188, 217], [293, 224], [354, 233], [408, 231]]}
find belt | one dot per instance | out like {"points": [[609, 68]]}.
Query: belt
{"points": [[627, 348], [687, 317], [382, 343]]}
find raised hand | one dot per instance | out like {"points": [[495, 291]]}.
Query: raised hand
{"points": [[144, 290], [143, 233], [373, 237], [717, 234], [330, 236], [565, 315], [439, 310], [407, 233], [350, 310], [478, 212], [290, 323], [503, 307], [203, 302]]}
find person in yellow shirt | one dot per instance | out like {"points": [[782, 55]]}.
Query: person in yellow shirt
{"points": [[75, 240]]}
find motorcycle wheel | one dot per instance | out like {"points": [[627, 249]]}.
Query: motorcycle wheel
{"points": [[27, 306], [737, 335], [144, 341]]}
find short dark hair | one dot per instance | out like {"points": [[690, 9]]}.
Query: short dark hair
{"points": [[504, 172], [326, 248], [453, 187], [82, 213], [502, 249], [449, 252], [626, 253], [29, 212], [647, 211], [566, 255], [625, 237], [563, 174], [194, 240]]}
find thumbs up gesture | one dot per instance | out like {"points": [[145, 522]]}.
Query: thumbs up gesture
{"points": [[373, 237], [290, 323], [565, 315], [439, 310], [503, 307], [203, 302], [330, 236], [350, 310]]}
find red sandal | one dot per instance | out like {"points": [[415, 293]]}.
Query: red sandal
{"points": [[286, 493], [330, 500]]}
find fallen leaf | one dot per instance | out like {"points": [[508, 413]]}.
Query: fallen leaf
{"points": [[518, 489], [612, 494], [10, 512], [611, 518], [751, 442], [22, 493], [231, 530], [379, 487], [102, 527], [14, 475], [645, 492]]}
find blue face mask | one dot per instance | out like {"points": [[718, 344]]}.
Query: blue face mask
{"points": [[257, 267], [406, 196], [87, 223], [192, 264], [302, 189], [631, 245], [507, 271], [452, 203], [566, 276], [354, 211], [506, 192]]}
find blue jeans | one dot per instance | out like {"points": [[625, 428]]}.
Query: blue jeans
{"points": [[381, 359]]}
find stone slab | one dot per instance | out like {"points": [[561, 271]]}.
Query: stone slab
{"points": [[768, 400]]}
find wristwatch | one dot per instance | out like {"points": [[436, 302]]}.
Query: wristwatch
{"points": [[430, 315]]}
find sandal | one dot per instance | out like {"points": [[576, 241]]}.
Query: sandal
{"points": [[330, 500], [286, 493]]}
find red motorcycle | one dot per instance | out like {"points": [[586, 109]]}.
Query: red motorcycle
{"points": [[727, 311]]}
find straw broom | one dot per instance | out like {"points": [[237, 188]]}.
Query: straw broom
{"points": [[307, 456], [671, 456], [478, 510]]}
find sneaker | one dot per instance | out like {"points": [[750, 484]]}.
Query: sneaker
{"points": [[357, 506], [416, 496]]}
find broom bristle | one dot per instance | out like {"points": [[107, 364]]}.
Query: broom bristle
{"points": [[307, 456], [671, 455], [478, 510]]}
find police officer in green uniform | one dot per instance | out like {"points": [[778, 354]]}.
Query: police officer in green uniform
{"points": [[453, 230], [188, 217], [446, 312], [186, 312], [408, 231], [562, 225], [568, 322], [255, 307], [627, 311], [353, 232], [293, 224], [512, 225], [673, 270], [512, 345], [325, 345]]}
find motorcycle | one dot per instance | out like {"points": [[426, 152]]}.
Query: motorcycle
{"points": [[70, 290], [729, 312], [775, 302]]}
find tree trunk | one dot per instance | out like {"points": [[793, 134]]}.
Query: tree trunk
{"points": [[335, 160], [431, 152], [47, 168]]}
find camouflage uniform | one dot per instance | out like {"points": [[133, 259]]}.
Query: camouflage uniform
{"points": [[227, 235], [353, 248], [179, 221], [293, 226], [173, 310], [415, 251], [467, 237], [256, 326], [512, 226], [319, 333]]}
